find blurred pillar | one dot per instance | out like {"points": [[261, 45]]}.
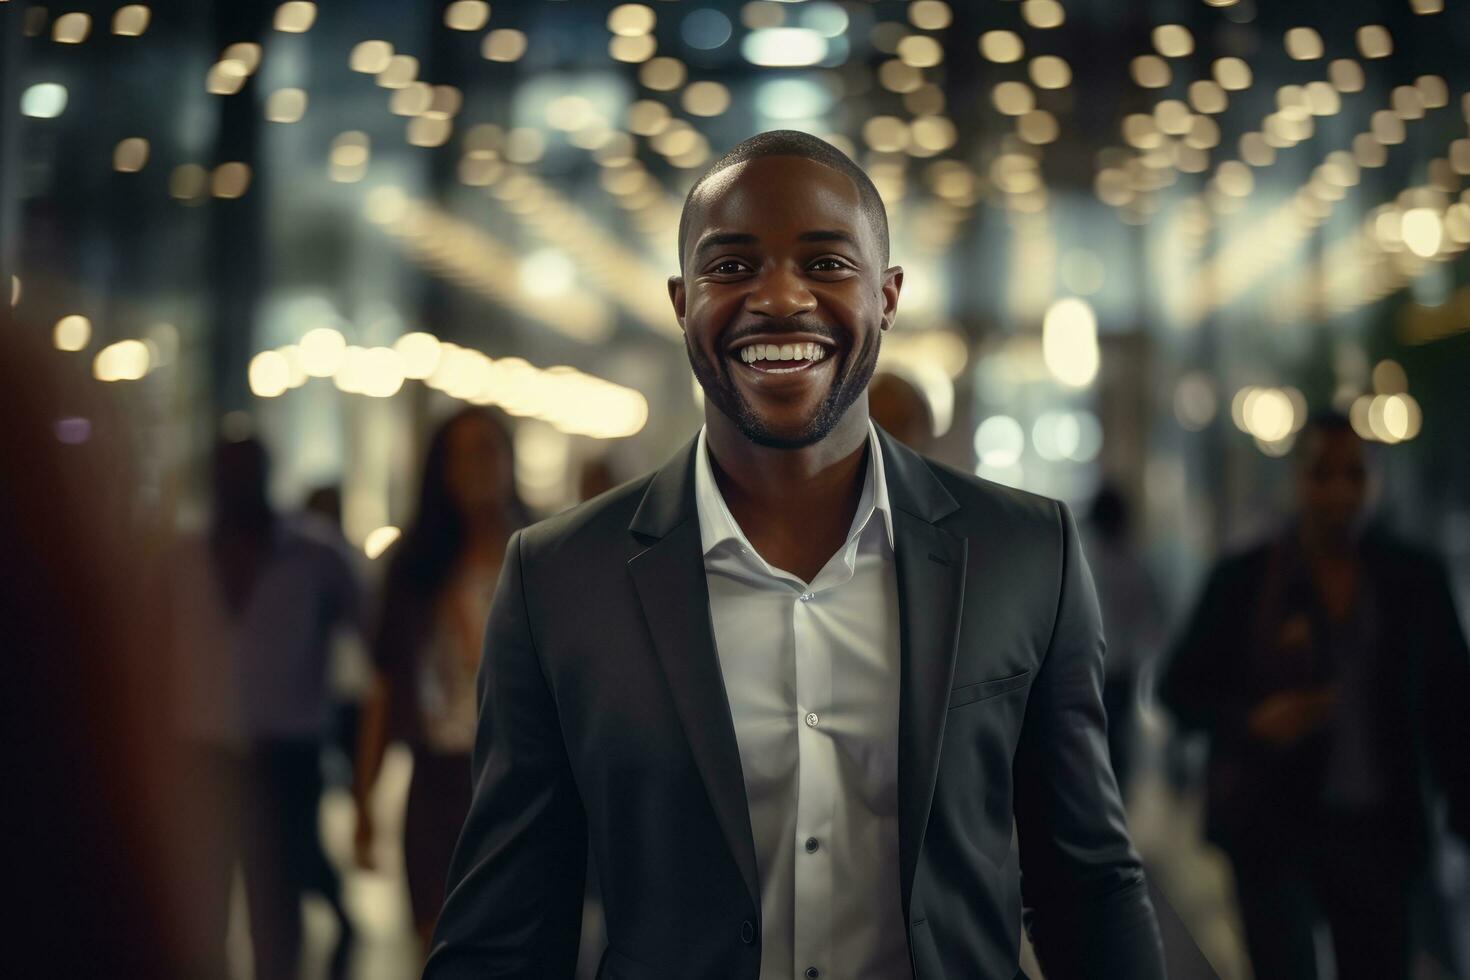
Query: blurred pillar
{"points": [[236, 236]]}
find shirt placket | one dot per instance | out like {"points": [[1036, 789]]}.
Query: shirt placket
{"points": [[817, 791]]}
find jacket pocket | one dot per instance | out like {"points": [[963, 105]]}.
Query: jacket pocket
{"points": [[616, 966], [984, 690]]}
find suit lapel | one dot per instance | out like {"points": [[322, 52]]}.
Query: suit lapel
{"points": [[931, 587], [669, 577]]}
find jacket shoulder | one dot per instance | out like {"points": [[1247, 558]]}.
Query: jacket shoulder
{"points": [[588, 526], [983, 502]]}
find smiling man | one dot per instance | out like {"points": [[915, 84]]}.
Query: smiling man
{"points": [[799, 685]]}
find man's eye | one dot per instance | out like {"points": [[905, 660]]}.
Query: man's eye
{"points": [[828, 265], [729, 267]]}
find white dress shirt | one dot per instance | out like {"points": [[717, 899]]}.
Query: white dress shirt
{"points": [[812, 674]]}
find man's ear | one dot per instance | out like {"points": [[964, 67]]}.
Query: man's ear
{"points": [[676, 296], [892, 284]]}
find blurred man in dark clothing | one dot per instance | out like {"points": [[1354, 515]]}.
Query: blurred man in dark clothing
{"points": [[1329, 669], [1131, 621]]}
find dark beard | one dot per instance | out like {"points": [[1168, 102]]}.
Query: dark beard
{"points": [[719, 388]]}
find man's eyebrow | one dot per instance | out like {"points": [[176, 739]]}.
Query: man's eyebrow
{"points": [[723, 238], [832, 235]]}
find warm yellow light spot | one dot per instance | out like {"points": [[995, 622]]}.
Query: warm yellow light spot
{"points": [[1204, 134], [1043, 14], [1433, 90], [1423, 231], [1050, 72], [285, 105], [1150, 71], [429, 131], [1303, 44], [269, 374], [1141, 132], [230, 180], [187, 182], [1374, 41], [1173, 117], [1002, 47], [244, 53], [632, 50], [419, 352], [321, 352], [1173, 40], [930, 15], [295, 17], [72, 333], [920, 51], [647, 118], [379, 540], [130, 155], [1013, 98], [1345, 75], [933, 134], [1407, 103], [71, 28], [886, 134], [225, 78], [1069, 342], [1233, 74], [445, 102], [631, 19], [1427, 6], [1037, 127], [504, 44], [411, 100], [1207, 96], [662, 74], [1387, 127], [466, 15], [370, 57], [706, 99], [126, 360], [1322, 99], [131, 20], [402, 70], [1234, 179], [1255, 151]]}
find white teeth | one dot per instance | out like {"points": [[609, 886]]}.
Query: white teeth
{"points": [[779, 352]]}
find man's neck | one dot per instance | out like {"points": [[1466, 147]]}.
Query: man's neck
{"points": [[794, 505]]}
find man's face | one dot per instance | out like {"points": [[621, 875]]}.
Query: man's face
{"points": [[1332, 481], [780, 260]]}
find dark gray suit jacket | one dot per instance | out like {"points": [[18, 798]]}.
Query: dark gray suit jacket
{"points": [[603, 713]]}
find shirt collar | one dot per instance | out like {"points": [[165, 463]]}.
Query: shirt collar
{"points": [[717, 525]]}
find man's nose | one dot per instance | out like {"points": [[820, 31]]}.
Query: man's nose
{"points": [[780, 293]]}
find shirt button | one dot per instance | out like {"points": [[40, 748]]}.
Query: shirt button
{"points": [[747, 932], [811, 973], [811, 845], [807, 596], [812, 719]]}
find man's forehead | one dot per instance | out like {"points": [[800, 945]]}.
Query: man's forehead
{"points": [[773, 176], [790, 186]]}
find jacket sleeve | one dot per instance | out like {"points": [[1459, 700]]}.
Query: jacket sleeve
{"points": [[1087, 908], [514, 899], [1196, 684]]}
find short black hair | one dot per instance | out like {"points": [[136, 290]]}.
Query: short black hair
{"points": [[793, 143], [1327, 422]]}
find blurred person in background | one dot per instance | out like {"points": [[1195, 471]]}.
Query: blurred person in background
{"points": [[349, 675], [1132, 624], [427, 644], [1329, 669], [95, 832], [258, 599], [901, 410]]}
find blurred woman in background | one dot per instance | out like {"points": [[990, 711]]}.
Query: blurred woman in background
{"points": [[426, 647]]}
